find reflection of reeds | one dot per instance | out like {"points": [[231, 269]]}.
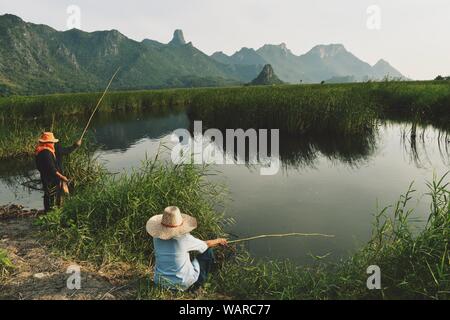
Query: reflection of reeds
{"points": [[444, 146], [415, 144], [303, 150], [17, 172], [353, 150]]}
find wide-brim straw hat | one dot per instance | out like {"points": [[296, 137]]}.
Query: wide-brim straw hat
{"points": [[48, 137], [170, 224]]}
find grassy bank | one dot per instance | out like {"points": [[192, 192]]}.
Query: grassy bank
{"points": [[105, 225], [294, 108]]}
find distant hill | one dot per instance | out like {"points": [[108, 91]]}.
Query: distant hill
{"points": [[383, 69], [266, 77], [245, 56], [37, 59], [322, 62]]}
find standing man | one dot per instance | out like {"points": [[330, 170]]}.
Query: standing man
{"points": [[49, 155]]}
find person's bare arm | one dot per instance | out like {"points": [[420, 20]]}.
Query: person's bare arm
{"points": [[61, 177], [216, 242]]}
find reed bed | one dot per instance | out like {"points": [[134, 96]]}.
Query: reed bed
{"points": [[18, 139], [292, 108], [82, 104]]}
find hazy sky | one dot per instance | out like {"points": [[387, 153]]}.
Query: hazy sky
{"points": [[413, 35]]}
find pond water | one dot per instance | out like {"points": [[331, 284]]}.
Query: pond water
{"points": [[327, 184]]}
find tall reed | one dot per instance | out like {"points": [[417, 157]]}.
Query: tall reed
{"points": [[295, 108]]}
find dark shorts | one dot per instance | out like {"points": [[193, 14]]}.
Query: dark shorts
{"points": [[206, 261]]}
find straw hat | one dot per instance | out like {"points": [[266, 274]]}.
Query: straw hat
{"points": [[170, 224], [48, 137]]}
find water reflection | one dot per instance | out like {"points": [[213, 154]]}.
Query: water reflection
{"points": [[419, 142], [15, 186], [302, 151], [120, 132], [16, 172]]}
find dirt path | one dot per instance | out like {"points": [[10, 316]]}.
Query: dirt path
{"points": [[38, 274]]}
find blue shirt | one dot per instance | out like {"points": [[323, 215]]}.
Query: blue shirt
{"points": [[174, 268]]}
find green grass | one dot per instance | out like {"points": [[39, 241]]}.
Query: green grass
{"points": [[30, 107], [19, 138], [6, 265]]}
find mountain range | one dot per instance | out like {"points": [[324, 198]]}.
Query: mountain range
{"points": [[37, 59], [322, 63]]}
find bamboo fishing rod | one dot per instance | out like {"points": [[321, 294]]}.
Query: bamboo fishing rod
{"points": [[295, 234], [98, 104]]}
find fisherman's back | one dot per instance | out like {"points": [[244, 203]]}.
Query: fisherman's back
{"points": [[174, 267], [47, 166]]}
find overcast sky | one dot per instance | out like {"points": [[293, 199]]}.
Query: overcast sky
{"points": [[413, 35]]}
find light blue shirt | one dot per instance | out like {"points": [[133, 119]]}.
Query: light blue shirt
{"points": [[173, 267]]}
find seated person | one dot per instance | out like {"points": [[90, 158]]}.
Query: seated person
{"points": [[172, 244]]}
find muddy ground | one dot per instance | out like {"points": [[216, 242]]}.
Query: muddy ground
{"points": [[40, 274]]}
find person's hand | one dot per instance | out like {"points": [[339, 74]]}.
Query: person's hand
{"points": [[217, 242], [62, 178], [222, 242], [78, 143]]}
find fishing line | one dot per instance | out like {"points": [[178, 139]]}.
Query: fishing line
{"points": [[296, 234]]}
